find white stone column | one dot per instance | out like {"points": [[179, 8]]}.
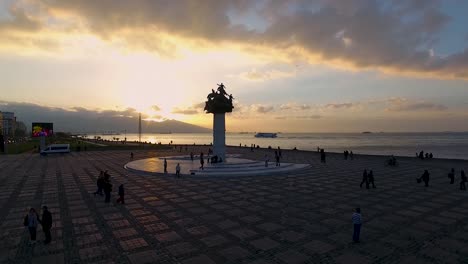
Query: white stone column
{"points": [[219, 135]]}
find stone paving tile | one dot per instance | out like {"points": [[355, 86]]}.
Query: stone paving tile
{"points": [[318, 247], [145, 257], [292, 257], [167, 237], [264, 244], [234, 253], [181, 248], [198, 260]]}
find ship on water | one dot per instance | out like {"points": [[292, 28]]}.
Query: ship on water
{"points": [[266, 135]]}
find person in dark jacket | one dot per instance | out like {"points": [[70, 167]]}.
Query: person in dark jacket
{"points": [[425, 178], [100, 183], [46, 223], [451, 176], [463, 180], [370, 177], [322, 156], [365, 179], [107, 187], [121, 194]]}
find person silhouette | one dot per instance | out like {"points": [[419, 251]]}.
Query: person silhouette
{"points": [[322, 156], [371, 178], [357, 222], [425, 178], [451, 176], [165, 166], [365, 179], [463, 180], [202, 161]]}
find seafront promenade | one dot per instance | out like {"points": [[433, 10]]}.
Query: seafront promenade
{"points": [[297, 217]]}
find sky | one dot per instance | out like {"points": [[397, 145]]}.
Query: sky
{"points": [[292, 65]]}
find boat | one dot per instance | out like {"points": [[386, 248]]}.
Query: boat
{"points": [[366, 132], [265, 135]]}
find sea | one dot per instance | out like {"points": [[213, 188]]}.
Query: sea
{"points": [[451, 145]]}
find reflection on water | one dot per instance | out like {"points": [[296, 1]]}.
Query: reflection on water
{"points": [[442, 145]]}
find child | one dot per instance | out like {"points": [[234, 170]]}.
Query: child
{"points": [[357, 222], [121, 194], [177, 170]]}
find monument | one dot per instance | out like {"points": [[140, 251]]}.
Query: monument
{"points": [[219, 103]]}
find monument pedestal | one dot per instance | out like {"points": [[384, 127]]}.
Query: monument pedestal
{"points": [[219, 135]]}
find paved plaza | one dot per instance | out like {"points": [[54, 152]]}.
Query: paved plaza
{"points": [[296, 217]]}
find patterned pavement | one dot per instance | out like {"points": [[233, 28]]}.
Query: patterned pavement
{"points": [[299, 217]]}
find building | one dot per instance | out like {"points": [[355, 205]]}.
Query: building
{"points": [[7, 124]]}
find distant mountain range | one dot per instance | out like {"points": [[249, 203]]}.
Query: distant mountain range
{"points": [[81, 120]]}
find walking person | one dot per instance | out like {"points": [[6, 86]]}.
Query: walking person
{"points": [[266, 160], [121, 194], [107, 187], [370, 176], [177, 170], [357, 223], [451, 176], [100, 183], [31, 220], [277, 159], [365, 179], [165, 166], [46, 223], [279, 152], [351, 155], [322, 156], [131, 155], [463, 180], [191, 156], [425, 178], [202, 161]]}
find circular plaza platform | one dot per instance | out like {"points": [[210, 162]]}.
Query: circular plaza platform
{"points": [[235, 166]]}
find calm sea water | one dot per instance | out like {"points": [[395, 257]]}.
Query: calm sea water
{"points": [[442, 145]]}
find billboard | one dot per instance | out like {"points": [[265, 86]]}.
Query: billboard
{"points": [[42, 129]]}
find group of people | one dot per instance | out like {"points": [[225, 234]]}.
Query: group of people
{"points": [[104, 184], [347, 154], [392, 161], [451, 175], [278, 156], [32, 220], [422, 156], [463, 179], [368, 179]]}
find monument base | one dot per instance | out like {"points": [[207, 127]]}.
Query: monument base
{"points": [[237, 166], [219, 136]]}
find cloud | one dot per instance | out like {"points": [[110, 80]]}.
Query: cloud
{"points": [[185, 111], [295, 106], [299, 117], [339, 106], [404, 105], [191, 110], [262, 109], [156, 108], [391, 36], [256, 75]]}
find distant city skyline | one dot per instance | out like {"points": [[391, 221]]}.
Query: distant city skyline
{"points": [[292, 66]]}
